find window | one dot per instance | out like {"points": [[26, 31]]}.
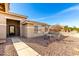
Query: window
{"points": [[36, 29], [2, 7]]}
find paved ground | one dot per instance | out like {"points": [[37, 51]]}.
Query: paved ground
{"points": [[69, 46], [22, 48], [7, 49]]}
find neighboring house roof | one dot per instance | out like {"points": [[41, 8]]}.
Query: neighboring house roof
{"points": [[56, 28], [29, 21]]}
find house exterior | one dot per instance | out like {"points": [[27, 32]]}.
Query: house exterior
{"points": [[12, 24], [34, 29]]}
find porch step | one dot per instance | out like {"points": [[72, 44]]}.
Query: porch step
{"points": [[2, 40]]}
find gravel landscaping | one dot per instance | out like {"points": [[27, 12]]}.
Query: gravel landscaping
{"points": [[7, 49], [67, 47]]}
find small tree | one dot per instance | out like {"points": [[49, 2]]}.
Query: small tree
{"points": [[66, 28], [77, 29], [70, 28], [74, 28]]}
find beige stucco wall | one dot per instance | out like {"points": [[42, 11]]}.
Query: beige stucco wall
{"points": [[24, 30], [2, 27], [28, 30]]}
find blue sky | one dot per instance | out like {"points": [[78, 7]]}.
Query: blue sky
{"points": [[51, 13]]}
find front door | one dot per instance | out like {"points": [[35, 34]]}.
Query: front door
{"points": [[11, 30]]}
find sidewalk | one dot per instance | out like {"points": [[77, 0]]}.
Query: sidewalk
{"points": [[23, 49]]}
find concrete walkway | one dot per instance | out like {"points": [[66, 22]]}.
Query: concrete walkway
{"points": [[23, 49]]}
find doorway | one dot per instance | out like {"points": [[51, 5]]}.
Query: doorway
{"points": [[11, 30]]}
